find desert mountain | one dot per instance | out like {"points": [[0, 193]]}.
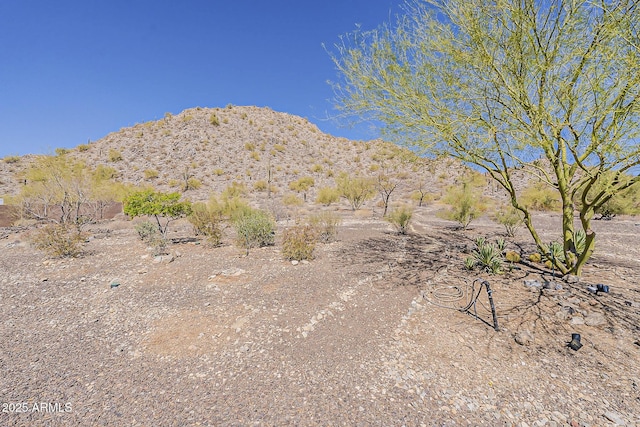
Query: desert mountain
{"points": [[203, 150]]}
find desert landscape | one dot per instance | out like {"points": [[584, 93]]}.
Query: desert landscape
{"points": [[375, 329]]}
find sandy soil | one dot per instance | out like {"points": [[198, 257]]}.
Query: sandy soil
{"points": [[368, 333]]}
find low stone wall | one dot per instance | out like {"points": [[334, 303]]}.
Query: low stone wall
{"points": [[8, 213]]}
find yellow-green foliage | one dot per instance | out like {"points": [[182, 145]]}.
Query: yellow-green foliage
{"points": [[299, 242], [213, 119], [326, 225], [83, 147], [114, 155], [316, 168], [150, 174], [255, 156], [510, 218], [208, 221], [536, 257], [11, 159], [465, 199], [292, 200], [400, 218], [512, 256], [233, 190], [327, 195], [193, 184], [260, 185], [249, 146], [356, 189], [302, 184], [218, 172], [540, 197], [279, 147]]}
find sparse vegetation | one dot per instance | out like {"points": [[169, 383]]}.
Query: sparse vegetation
{"points": [[327, 196], [510, 218], [150, 174], [400, 217], [11, 159], [299, 242], [58, 240], [255, 228], [114, 156], [158, 205], [465, 201], [356, 189], [208, 221], [326, 224]]}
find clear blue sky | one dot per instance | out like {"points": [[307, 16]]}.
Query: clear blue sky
{"points": [[76, 70]]}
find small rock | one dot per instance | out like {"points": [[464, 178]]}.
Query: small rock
{"points": [[294, 262], [163, 258], [571, 279], [524, 338], [577, 320], [595, 319], [614, 418], [532, 283], [114, 284]]}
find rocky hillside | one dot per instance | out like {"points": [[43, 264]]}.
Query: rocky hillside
{"points": [[213, 147]]}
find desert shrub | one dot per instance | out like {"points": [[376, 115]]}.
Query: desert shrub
{"points": [[58, 240], [356, 189], [61, 151], [400, 218], [540, 197], [235, 189], [255, 156], [213, 119], [83, 147], [299, 242], [292, 200], [421, 197], [260, 185], [208, 221], [150, 174], [218, 171], [255, 228], [316, 168], [11, 159], [510, 218], [326, 225], [193, 184], [114, 156], [249, 146], [279, 147], [465, 201], [149, 234], [146, 229], [302, 184], [327, 195]]}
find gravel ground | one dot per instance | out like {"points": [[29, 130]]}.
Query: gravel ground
{"points": [[362, 335]]}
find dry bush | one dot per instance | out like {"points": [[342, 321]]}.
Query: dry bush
{"points": [[326, 225], [58, 240], [299, 242]]}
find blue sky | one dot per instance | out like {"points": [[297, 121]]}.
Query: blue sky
{"points": [[73, 71]]}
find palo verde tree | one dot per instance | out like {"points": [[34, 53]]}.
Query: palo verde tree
{"points": [[549, 87], [158, 205]]}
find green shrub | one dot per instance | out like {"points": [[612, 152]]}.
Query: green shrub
{"points": [[299, 242], [327, 195], [260, 185], [213, 119], [83, 147], [192, 184], [486, 256], [512, 257], [465, 201], [400, 218], [156, 204], [255, 228], [535, 257], [58, 240], [326, 225]]}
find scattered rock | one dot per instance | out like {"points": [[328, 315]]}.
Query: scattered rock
{"points": [[114, 284], [163, 258], [532, 283], [595, 319], [294, 262], [571, 279], [614, 418], [577, 320]]}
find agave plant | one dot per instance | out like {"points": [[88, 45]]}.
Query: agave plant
{"points": [[488, 257]]}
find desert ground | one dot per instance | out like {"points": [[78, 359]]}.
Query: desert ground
{"points": [[367, 333]]}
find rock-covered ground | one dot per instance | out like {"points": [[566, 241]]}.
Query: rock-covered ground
{"points": [[366, 334]]}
